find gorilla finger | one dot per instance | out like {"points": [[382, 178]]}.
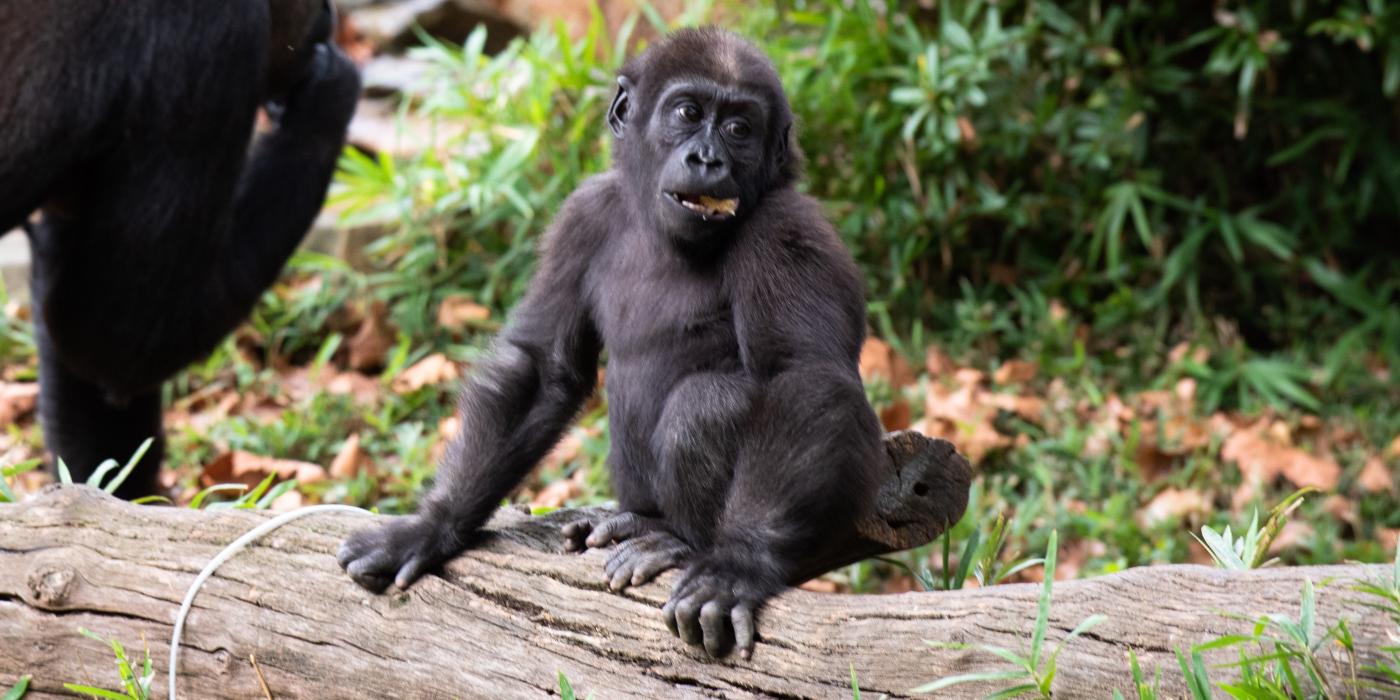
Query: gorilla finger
{"points": [[668, 613], [574, 535], [349, 551], [687, 587], [618, 527], [369, 577], [412, 571], [742, 619], [620, 577], [622, 556], [714, 622], [688, 620], [651, 568]]}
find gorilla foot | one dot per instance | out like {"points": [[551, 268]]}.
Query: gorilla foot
{"points": [[641, 559]]}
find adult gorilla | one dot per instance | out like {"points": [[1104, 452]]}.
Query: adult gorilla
{"points": [[733, 318], [128, 124]]}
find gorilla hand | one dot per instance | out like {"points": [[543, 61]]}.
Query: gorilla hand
{"points": [[716, 599], [646, 548], [398, 552]]}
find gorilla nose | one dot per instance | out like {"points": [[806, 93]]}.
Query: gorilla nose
{"points": [[704, 159]]}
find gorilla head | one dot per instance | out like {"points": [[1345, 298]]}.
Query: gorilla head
{"points": [[703, 131]]}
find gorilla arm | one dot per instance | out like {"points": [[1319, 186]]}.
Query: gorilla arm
{"points": [[514, 408], [809, 462], [183, 228]]}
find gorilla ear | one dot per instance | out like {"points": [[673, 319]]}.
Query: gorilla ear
{"points": [[621, 106], [780, 149]]}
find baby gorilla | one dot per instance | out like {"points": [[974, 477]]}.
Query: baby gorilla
{"points": [[733, 318]]}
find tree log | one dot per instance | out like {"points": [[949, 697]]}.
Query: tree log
{"points": [[509, 615]]}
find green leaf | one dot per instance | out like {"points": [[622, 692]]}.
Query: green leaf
{"points": [[95, 692], [566, 689], [1042, 617], [949, 681], [121, 476], [18, 690]]}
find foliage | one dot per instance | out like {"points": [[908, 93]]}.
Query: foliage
{"points": [[18, 690], [1147, 165], [1385, 597], [133, 686], [1249, 550], [1032, 673]]}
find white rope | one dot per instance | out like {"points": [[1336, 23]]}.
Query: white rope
{"points": [[235, 547]]}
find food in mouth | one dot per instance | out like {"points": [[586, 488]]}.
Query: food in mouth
{"points": [[707, 206]]}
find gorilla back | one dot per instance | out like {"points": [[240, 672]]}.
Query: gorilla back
{"points": [[733, 318], [127, 123]]}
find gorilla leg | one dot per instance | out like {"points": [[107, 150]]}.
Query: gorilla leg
{"points": [[693, 445], [695, 442], [83, 424], [805, 467]]}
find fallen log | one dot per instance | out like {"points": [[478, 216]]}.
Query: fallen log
{"points": [[508, 616]]}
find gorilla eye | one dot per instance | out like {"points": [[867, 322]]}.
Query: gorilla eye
{"points": [[689, 112], [738, 130]]}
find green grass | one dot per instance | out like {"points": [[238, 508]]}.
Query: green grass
{"points": [[135, 676]]}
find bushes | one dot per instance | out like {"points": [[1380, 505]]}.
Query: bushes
{"points": [[1169, 174]]}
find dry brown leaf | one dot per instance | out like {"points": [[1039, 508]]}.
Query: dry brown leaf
{"points": [[1030, 408], [1293, 533], [568, 449], [1393, 451], [248, 468], [897, 415], [819, 585], [1343, 509], [969, 377], [17, 400], [556, 494], [1375, 476], [966, 132], [457, 312], [364, 390], [1152, 461], [1188, 505], [350, 460], [1264, 452], [369, 347], [878, 359], [291, 500], [1388, 537], [433, 369], [938, 365], [963, 417], [1015, 372], [448, 427]]}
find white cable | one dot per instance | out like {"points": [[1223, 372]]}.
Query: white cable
{"points": [[235, 547]]}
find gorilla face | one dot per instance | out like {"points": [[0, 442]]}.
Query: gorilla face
{"points": [[700, 151], [711, 141]]}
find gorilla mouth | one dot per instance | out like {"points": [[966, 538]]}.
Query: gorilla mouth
{"points": [[706, 206]]}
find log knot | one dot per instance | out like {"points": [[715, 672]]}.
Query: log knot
{"points": [[50, 585]]}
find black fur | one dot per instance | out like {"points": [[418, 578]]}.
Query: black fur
{"points": [[741, 436], [128, 123]]}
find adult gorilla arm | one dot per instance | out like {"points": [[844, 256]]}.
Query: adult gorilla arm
{"points": [[513, 409], [128, 123], [808, 465], [168, 237]]}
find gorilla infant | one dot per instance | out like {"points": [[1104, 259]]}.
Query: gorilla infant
{"points": [[733, 318]]}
